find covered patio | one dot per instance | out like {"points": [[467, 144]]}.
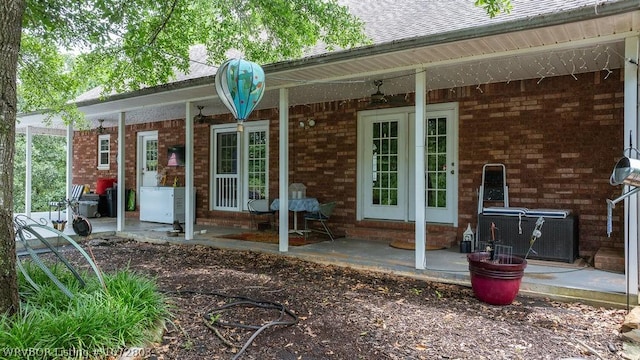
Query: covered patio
{"points": [[564, 282], [586, 43]]}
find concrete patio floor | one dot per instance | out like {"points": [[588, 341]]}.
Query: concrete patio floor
{"points": [[576, 282]]}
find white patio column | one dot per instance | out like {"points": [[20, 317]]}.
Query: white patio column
{"points": [[283, 196], [421, 228], [631, 126], [28, 170], [120, 193], [69, 181], [189, 216]]}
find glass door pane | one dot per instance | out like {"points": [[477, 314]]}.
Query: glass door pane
{"points": [[385, 163], [148, 155], [436, 156], [257, 164], [151, 155]]}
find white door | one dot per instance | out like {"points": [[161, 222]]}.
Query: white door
{"points": [[148, 158], [384, 174], [240, 166], [440, 165], [226, 178], [386, 171]]}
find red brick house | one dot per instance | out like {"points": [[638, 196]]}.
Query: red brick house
{"points": [[550, 91]]}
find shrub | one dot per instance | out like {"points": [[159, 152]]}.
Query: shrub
{"points": [[97, 321]]}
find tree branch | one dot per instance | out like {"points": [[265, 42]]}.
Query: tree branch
{"points": [[164, 23]]}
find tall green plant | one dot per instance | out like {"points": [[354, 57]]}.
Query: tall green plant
{"points": [[96, 321]]}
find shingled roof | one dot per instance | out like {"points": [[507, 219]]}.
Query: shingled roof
{"points": [[391, 21], [442, 35]]}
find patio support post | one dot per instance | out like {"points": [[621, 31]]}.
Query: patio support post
{"points": [[189, 216], [631, 126], [28, 170], [421, 226], [121, 174], [283, 161], [69, 167]]}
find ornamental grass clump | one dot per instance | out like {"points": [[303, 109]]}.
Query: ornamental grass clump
{"points": [[128, 311]]}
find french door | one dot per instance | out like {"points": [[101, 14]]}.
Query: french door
{"points": [[441, 190], [387, 151], [240, 165]]}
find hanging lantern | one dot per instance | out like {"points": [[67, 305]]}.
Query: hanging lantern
{"points": [[240, 85]]}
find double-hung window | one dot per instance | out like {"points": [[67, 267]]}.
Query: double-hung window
{"points": [[104, 145]]}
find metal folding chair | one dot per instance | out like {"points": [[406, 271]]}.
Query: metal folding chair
{"points": [[260, 207], [322, 216]]}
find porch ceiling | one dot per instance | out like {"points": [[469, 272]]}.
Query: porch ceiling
{"points": [[565, 49]]}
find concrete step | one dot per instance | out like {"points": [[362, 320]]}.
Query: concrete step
{"points": [[610, 259]]}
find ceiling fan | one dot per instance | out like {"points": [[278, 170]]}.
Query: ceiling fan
{"points": [[378, 96], [200, 118]]}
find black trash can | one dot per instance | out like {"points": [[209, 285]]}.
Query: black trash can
{"points": [[112, 201]]}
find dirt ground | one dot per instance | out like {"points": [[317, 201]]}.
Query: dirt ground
{"points": [[346, 314]]}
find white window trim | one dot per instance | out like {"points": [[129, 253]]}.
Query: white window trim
{"points": [[102, 166]]}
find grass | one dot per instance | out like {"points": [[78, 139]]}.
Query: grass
{"points": [[97, 322]]}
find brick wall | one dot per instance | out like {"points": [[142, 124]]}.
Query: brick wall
{"points": [[559, 140]]}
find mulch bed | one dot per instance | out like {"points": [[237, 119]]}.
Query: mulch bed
{"points": [[344, 313]]}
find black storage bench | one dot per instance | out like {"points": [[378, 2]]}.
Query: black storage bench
{"points": [[559, 240]]}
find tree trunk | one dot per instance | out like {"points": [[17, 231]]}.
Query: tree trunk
{"points": [[11, 12]]}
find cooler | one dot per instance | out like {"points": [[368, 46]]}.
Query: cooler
{"points": [[88, 209]]}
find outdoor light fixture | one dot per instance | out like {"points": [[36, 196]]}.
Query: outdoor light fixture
{"points": [[309, 124]]}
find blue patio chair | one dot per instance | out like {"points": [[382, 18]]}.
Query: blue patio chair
{"points": [[322, 215]]}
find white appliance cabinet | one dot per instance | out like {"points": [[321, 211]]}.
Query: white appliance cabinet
{"points": [[162, 204]]}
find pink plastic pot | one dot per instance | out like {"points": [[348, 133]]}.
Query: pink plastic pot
{"points": [[495, 283]]}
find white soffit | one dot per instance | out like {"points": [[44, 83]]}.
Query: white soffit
{"points": [[568, 49], [609, 31]]}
